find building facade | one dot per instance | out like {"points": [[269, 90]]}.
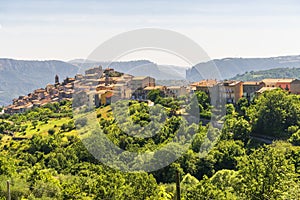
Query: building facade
{"points": [[230, 91], [250, 88]]}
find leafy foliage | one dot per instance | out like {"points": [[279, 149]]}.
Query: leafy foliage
{"points": [[44, 158]]}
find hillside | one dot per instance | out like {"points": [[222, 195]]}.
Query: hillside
{"points": [[271, 73], [45, 155], [230, 67]]}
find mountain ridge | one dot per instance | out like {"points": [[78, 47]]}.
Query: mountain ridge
{"points": [[229, 67], [19, 77], [270, 73]]}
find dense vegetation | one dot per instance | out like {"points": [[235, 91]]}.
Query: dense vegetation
{"points": [[270, 73], [44, 158]]}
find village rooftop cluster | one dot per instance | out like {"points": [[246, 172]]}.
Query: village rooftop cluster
{"points": [[97, 87]]}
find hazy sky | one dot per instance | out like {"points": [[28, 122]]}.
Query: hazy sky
{"points": [[73, 29]]}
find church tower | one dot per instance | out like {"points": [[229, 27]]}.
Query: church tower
{"points": [[106, 77], [56, 80]]}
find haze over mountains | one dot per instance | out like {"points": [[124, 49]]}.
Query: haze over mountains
{"points": [[19, 77], [230, 67], [137, 68]]}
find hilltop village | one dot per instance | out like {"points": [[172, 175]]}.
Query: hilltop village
{"points": [[98, 86]]}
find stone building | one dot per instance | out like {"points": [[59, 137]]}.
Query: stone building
{"points": [[251, 87]]}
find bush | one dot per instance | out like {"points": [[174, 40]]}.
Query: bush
{"points": [[295, 138], [51, 131]]}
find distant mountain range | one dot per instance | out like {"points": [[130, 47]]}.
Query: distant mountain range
{"points": [[19, 77], [230, 67], [137, 68], [270, 73]]}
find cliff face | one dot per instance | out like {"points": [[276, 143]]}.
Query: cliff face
{"points": [[18, 77]]}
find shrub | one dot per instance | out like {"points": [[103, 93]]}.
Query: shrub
{"points": [[51, 131]]}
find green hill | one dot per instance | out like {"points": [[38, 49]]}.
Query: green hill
{"points": [[44, 156], [271, 73], [229, 67]]}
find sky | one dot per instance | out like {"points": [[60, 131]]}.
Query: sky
{"points": [[66, 30]]}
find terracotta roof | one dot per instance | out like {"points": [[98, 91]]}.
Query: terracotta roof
{"points": [[137, 78], [252, 82], [175, 87], [230, 83], [110, 95], [159, 87], [282, 80], [205, 83], [263, 89]]}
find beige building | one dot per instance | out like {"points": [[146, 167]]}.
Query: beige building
{"points": [[122, 90], [176, 91], [95, 70], [140, 82], [204, 85], [231, 91]]}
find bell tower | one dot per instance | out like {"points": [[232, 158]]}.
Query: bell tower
{"points": [[56, 80], [106, 77]]}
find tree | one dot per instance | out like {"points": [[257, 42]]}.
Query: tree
{"points": [[203, 99], [242, 130], [242, 105], [266, 173], [273, 112], [51, 131], [34, 124], [295, 138], [6, 166], [207, 190], [230, 110], [154, 95], [225, 154]]}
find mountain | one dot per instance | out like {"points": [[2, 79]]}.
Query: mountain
{"points": [[19, 77], [230, 67], [137, 68], [270, 73]]}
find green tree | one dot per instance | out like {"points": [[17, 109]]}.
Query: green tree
{"points": [[295, 138], [266, 173], [241, 130], [155, 95], [51, 131], [242, 105], [207, 190], [273, 112]]}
